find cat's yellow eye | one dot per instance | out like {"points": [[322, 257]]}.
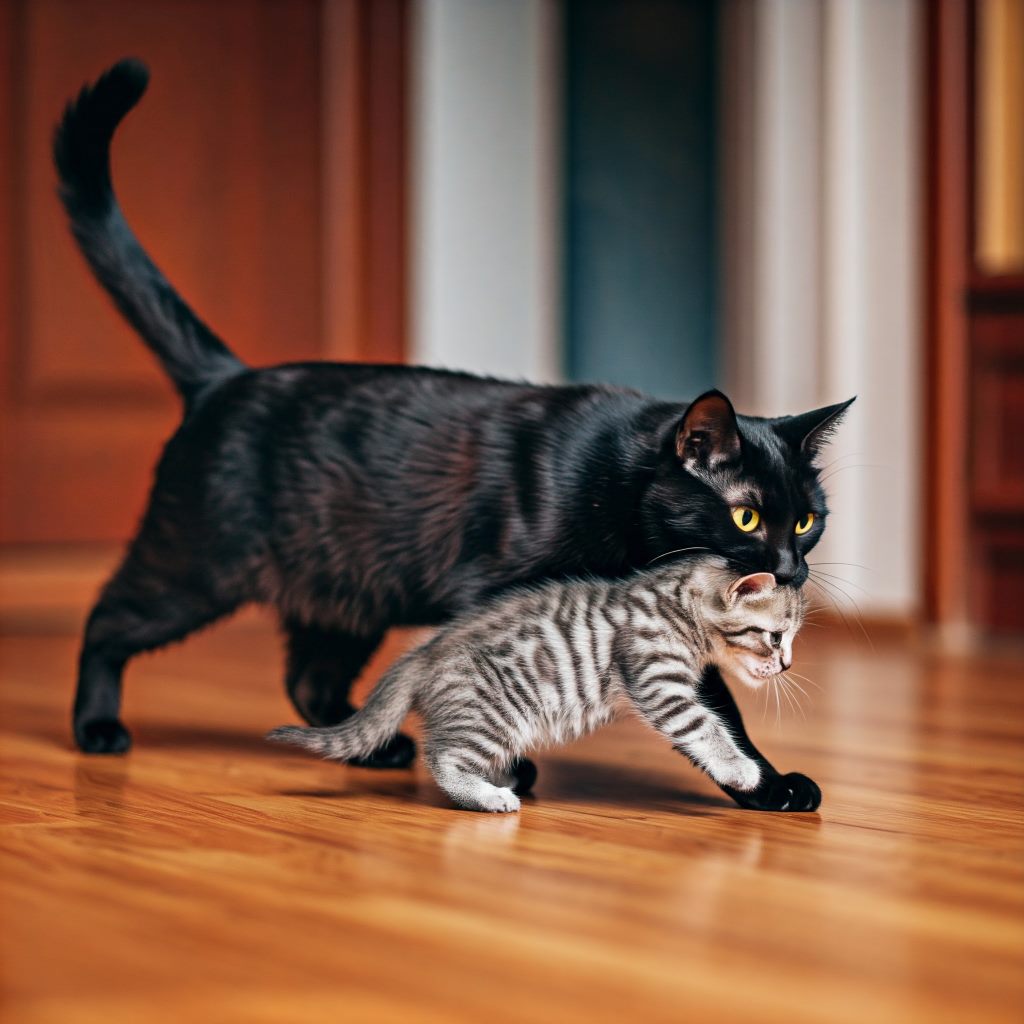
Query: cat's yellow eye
{"points": [[746, 518], [803, 525]]}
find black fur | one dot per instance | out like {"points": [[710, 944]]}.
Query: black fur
{"points": [[193, 356], [354, 498]]}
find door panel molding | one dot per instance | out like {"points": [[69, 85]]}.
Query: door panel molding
{"points": [[265, 173]]}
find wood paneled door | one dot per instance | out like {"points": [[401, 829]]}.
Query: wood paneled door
{"points": [[975, 303], [252, 176]]}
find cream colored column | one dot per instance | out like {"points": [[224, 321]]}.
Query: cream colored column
{"points": [[486, 220], [821, 265]]}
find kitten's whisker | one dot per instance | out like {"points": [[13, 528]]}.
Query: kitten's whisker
{"points": [[792, 682], [795, 700], [785, 692], [806, 679]]}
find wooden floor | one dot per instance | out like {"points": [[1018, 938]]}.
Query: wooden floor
{"points": [[210, 877]]}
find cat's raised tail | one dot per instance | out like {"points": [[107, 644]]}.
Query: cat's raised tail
{"points": [[369, 728], [192, 355]]}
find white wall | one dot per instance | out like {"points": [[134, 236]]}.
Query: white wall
{"points": [[821, 263], [821, 141], [484, 187]]}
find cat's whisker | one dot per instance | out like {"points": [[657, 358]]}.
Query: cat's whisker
{"points": [[855, 565], [677, 551], [812, 582], [835, 604], [839, 458], [858, 617], [856, 465], [839, 579]]}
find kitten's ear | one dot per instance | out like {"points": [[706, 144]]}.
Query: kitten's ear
{"points": [[809, 432], [749, 586], [708, 434]]}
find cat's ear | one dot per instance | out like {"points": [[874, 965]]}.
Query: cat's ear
{"points": [[809, 432], [749, 586], [708, 434]]}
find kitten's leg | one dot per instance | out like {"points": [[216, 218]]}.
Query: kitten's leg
{"points": [[703, 723], [703, 737], [322, 666], [460, 773], [774, 791], [139, 610]]}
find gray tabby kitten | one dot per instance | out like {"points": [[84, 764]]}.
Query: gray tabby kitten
{"points": [[546, 665]]}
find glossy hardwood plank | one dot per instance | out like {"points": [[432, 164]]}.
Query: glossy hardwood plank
{"points": [[210, 876]]}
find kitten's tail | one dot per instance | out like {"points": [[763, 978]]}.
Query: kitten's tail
{"points": [[193, 356], [369, 728]]}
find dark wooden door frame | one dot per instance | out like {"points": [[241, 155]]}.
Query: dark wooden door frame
{"points": [[946, 267], [974, 541]]}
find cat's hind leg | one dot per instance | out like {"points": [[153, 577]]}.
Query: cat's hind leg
{"points": [[523, 774], [465, 779], [144, 606], [322, 666]]}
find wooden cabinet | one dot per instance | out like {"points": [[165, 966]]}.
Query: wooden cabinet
{"points": [[995, 312]]}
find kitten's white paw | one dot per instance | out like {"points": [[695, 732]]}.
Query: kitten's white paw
{"points": [[499, 801], [742, 775]]}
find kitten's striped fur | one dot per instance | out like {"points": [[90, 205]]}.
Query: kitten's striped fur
{"points": [[549, 664]]}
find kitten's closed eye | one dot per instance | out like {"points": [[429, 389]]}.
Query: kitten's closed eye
{"points": [[753, 639]]}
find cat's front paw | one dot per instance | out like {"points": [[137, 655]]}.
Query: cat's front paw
{"points": [[792, 792]]}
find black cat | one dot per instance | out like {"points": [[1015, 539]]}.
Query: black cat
{"points": [[354, 498]]}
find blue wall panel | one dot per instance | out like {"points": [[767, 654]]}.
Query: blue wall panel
{"points": [[640, 236]]}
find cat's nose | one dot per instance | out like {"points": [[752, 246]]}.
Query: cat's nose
{"points": [[791, 571], [786, 662], [787, 566]]}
